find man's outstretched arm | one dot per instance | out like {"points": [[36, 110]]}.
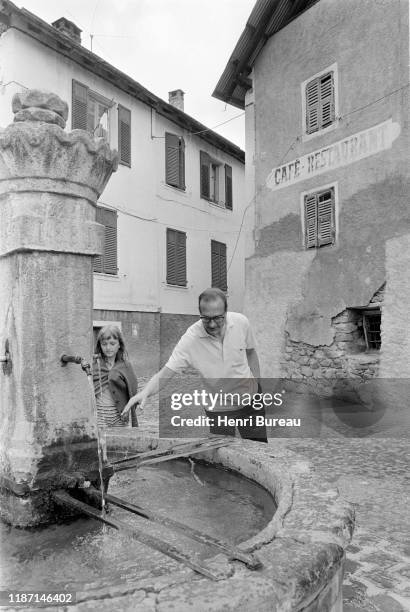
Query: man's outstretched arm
{"points": [[154, 385], [253, 362]]}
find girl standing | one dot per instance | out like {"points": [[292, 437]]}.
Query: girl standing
{"points": [[114, 379]]}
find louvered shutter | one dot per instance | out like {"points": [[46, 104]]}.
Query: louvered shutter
{"points": [[181, 259], [312, 106], [98, 260], [171, 257], [310, 221], [79, 106], [325, 218], [181, 163], [173, 163], [124, 135], [204, 174], [327, 101], [107, 263], [228, 187], [218, 265], [176, 258]]}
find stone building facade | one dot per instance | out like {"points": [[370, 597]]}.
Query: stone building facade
{"points": [[325, 88]]}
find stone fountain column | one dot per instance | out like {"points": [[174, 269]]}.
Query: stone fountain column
{"points": [[50, 181]]}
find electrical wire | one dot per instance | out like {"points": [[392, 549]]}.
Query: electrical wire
{"points": [[218, 125]]}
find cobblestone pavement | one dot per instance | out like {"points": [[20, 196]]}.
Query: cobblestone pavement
{"points": [[373, 473]]}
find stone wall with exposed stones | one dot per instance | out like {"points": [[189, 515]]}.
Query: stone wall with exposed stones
{"points": [[346, 358]]}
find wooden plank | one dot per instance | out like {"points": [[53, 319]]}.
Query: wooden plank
{"points": [[168, 457], [65, 499], [156, 452], [232, 552]]}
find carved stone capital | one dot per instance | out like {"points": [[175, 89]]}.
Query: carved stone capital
{"points": [[36, 146]]}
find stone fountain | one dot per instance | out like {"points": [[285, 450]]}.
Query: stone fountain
{"points": [[50, 181]]}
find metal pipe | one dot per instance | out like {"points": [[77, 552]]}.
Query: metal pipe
{"points": [[76, 359], [6, 359], [70, 359]]}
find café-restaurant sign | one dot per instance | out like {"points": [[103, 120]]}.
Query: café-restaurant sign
{"points": [[341, 153]]}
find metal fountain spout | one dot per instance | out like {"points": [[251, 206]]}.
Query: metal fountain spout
{"points": [[85, 365]]}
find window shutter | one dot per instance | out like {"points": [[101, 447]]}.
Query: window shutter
{"points": [[98, 259], [107, 262], [218, 265], [181, 259], [310, 221], [204, 169], [327, 100], [181, 163], [176, 258], [79, 106], [325, 218], [228, 187], [174, 160], [171, 257], [124, 135], [312, 106]]}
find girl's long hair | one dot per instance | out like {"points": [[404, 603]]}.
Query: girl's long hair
{"points": [[111, 331]]}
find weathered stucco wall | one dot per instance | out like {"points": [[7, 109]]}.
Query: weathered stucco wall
{"points": [[396, 315], [293, 291]]}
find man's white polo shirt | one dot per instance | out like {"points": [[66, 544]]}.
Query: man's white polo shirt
{"points": [[222, 365]]}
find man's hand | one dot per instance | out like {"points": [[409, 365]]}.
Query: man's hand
{"points": [[138, 399]]}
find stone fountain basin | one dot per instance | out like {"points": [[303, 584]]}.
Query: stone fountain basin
{"points": [[301, 548]]}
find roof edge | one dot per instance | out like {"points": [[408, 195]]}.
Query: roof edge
{"points": [[31, 25]]}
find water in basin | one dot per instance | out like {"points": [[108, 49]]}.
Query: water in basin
{"points": [[85, 555]]}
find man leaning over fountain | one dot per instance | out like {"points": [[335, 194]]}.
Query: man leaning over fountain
{"points": [[221, 347]]}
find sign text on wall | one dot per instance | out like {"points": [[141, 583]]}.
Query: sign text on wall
{"points": [[341, 153]]}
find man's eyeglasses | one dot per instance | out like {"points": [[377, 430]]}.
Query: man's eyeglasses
{"points": [[217, 319]]}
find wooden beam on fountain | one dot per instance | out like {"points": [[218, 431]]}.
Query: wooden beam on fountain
{"points": [[65, 499], [250, 560], [174, 452]]}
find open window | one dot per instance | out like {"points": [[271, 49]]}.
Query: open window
{"points": [[215, 181], [90, 111]]}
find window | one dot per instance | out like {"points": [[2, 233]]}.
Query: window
{"points": [[90, 111], [124, 135], [228, 187], [319, 102], [319, 212], [218, 265], [211, 176], [107, 262], [371, 328], [174, 160], [176, 258]]}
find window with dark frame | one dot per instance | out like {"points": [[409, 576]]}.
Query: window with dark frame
{"points": [[176, 258], [219, 274], [320, 103], [174, 160], [372, 328], [319, 211], [107, 262], [210, 180]]}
